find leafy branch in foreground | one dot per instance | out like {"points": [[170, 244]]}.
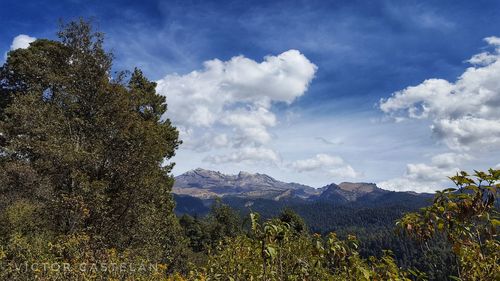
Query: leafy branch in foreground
{"points": [[274, 250], [468, 216]]}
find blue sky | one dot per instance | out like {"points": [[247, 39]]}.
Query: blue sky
{"points": [[312, 112]]}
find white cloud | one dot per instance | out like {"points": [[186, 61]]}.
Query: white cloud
{"points": [[21, 41], [464, 113], [204, 142], [447, 160], [493, 40], [464, 116], [324, 163], [428, 173], [405, 184], [441, 167], [428, 178], [315, 163], [250, 124], [198, 98], [343, 172], [468, 133], [481, 59], [246, 154], [228, 103]]}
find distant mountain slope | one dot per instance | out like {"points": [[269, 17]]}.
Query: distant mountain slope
{"points": [[207, 184], [186, 204], [248, 189], [351, 192]]}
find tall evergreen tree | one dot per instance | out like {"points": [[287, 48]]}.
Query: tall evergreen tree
{"points": [[84, 151]]}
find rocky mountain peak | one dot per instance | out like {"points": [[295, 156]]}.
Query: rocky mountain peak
{"points": [[201, 171], [358, 187], [205, 184], [243, 174], [351, 191]]}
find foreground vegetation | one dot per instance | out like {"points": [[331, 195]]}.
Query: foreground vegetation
{"points": [[85, 191]]}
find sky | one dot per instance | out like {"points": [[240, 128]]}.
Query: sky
{"points": [[400, 93]]}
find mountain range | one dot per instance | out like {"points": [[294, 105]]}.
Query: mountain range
{"points": [[195, 190], [206, 184]]}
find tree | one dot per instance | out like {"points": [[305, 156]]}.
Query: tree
{"points": [[82, 154], [275, 251], [222, 221], [196, 231], [468, 216], [296, 223]]}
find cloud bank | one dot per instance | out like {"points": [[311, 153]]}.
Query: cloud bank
{"points": [[428, 177], [229, 103], [464, 113], [464, 116], [324, 163]]}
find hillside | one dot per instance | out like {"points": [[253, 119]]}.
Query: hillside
{"points": [[196, 190], [206, 184]]}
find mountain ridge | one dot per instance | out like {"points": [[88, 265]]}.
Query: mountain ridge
{"points": [[208, 184]]}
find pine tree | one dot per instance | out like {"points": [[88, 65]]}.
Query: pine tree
{"points": [[82, 153]]}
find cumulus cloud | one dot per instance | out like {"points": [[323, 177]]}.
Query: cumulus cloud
{"points": [[203, 142], [250, 124], [21, 41], [333, 165], [317, 162], [252, 154], [232, 100], [464, 113], [198, 98], [344, 172], [450, 159], [406, 184], [428, 177]]}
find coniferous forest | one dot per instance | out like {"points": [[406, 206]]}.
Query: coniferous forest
{"points": [[85, 194]]}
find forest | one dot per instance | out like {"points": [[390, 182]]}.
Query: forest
{"points": [[85, 194]]}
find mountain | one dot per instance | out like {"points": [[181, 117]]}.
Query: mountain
{"points": [[360, 209], [195, 190], [351, 192], [206, 184]]}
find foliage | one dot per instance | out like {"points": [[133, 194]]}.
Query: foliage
{"points": [[372, 224], [82, 157], [469, 218], [274, 251], [72, 257], [296, 223], [221, 222]]}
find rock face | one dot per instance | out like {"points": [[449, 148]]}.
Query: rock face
{"points": [[194, 192], [350, 192], [207, 184]]}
